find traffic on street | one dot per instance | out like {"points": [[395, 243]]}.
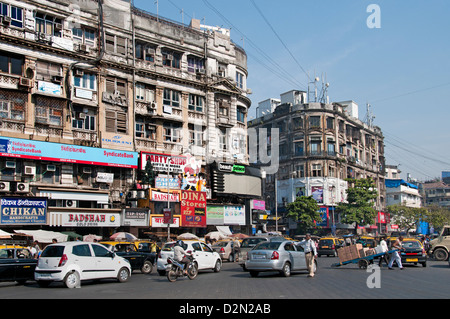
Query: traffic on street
{"points": [[274, 268]]}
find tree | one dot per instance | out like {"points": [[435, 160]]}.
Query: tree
{"points": [[359, 208], [305, 211], [407, 217], [147, 176]]}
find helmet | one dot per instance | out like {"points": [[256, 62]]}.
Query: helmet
{"points": [[180, 243]]}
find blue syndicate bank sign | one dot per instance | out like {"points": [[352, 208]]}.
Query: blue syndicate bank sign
{"points": [[24, 210]]}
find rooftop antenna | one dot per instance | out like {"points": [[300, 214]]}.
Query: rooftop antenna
{"points": [[369, 116], [324, 95], [316, 80]]}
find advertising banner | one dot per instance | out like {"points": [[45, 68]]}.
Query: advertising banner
{"points": [[163, 162], [214, 215], [317, 194], [23, 211], [65, 153], [234, 215], [193, 209], [324, 214]]}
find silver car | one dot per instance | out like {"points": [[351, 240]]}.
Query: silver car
{"points": [[282, 256]]}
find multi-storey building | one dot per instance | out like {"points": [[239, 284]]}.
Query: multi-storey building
{"points": [[88, 88], [320, 145], [399, 191]]}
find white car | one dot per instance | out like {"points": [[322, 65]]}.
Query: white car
{"points": [[204, 256], [73, 262]]}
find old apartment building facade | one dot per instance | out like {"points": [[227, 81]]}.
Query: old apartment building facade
{"points": [[320, 145], [89, 87]]}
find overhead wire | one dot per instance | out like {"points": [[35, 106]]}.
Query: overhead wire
{"points": [[282, 73]]}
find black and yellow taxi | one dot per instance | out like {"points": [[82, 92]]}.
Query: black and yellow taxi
{"points": [[16, 264], [413, 252], [329, 246]]}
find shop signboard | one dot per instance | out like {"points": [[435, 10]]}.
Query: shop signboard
{"points": [[23, 211], [135, 217], [65, 153], [84, 219], [214, 215], [157, 221], [193, 209]]}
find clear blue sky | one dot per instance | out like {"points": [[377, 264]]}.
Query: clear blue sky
{"points": [[402, 69]]}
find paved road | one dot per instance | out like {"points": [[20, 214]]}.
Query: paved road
{"points": [[233, 283]]}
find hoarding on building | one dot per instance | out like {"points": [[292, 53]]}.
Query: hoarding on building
{"points": [[82, 219], [193, 209], [23, 211], [65, 153]]}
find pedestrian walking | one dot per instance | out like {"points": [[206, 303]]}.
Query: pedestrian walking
{"points": [[395, 256], [310, 253], [384, 245]]}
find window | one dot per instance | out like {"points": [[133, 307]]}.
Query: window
{"points": [[316, 170], [331, 147], [195, 63], [116, 87], [84, 119], [196, 134], [315, 146], [84, 36], [11, 64], [298, 148], [85, 81], [49, 111], [145, 52], [171, 59], [145, 129], [223, 140], [314, 121], [171, 98], [47, 70], [240, 80], [116, 121], [116, 44], [48, 24], [298, 123], [330, 123], [172, 132], [101, 251], [144, 93], [15, 13], [81, 250], [12, 105], [196, 103], [240, 114]]}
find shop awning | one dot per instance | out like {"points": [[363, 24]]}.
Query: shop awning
{"points": [[224, 230], [44, 236]]}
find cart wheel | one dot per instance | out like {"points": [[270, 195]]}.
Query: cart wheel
{"points": [[363, 264]]}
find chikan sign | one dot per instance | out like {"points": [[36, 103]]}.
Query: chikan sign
{"points": [[193, 209]]}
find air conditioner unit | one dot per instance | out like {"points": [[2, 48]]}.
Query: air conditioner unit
{"points": [[6, 20], [79, 72], [23, 188], [70, 203], [87, 170], [30, 170], [25, 82], [10, 164], [58, 26], [51, 168], [57, 79], [4, 186]]}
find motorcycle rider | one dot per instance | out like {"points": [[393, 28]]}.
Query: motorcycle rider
{"points": [[180, 255]]}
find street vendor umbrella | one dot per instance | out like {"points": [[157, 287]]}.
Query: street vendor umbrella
{"points": [[4, 235], [216, 235], [123, 236], [91, 238], [186, 236]]}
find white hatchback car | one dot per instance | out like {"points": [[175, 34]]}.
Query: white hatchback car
{"points": [[72, 262], [204, 256]]}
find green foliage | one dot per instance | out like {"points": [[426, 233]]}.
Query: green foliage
{"points": [[359, 208], [148, 175], [304, 210]]}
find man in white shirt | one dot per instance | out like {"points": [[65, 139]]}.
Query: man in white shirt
{"points": [[395, 256], [179, 255], [310, 253]]}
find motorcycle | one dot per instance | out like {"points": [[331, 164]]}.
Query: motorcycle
{"points": [[176, 269]]}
